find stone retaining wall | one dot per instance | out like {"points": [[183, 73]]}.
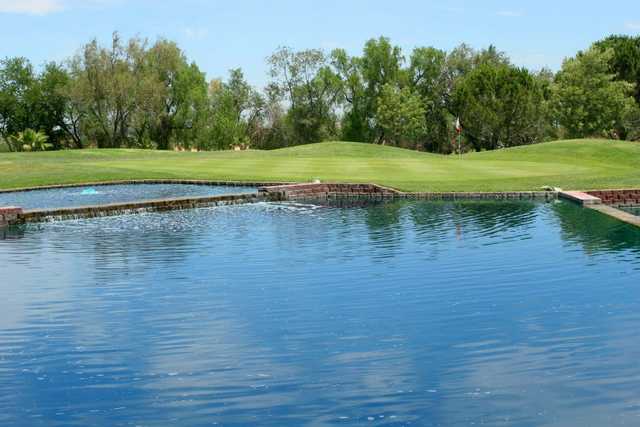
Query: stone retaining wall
{"points": [[9, 215], [377, 192], [619, 198], [42, 215], [508, 195], [324, 190]]}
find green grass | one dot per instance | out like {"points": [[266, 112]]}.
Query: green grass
{"points": [[576, 164]]}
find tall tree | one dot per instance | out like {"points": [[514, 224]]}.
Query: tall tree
{"points": [[311, 88], [32, 101], [588, 99], [428, 78], [53, 103], [625, 61], [236, 110], [16, 82], [400, 116], [107, 82], [355, 125], [181, 89], [500, 106]]}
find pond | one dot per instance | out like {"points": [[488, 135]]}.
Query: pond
{"points": [[394, 314], [117, 193], [635, 210]]}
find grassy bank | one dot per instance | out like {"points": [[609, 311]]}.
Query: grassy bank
{"points": [[579, 164]]}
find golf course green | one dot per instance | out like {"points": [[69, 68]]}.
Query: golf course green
{"points": [[571, 164]]}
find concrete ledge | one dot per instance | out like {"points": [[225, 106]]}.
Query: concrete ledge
{"points": [[579, 197]]}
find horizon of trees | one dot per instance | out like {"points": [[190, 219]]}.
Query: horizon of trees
{"points": [[141, 95]]}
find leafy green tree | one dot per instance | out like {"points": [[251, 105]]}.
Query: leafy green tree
{"points": [[625, 62], [550, 129], [500, 106], [459, 62], [381, 64], [107, 83], [400, 116], [588, 99], [52, 104], [491, 56], [270, 128], [462, 60], [180, 90], [362, 79], [30, 100], [311, 88], [132, 95], [227, 129], [428, 78], [235, 114], [354, 123], [17, 79]]}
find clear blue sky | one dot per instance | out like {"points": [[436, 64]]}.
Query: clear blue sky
{"points": [[223, 34]]}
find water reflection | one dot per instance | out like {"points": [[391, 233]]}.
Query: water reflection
{"points": [[14, 232], [596, 232], [408, 313]]}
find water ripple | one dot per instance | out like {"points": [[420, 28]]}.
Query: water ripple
{"points": [[278, 314]]}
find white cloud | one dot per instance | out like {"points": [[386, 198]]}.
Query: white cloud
{"points": [[511, 13], [31, 7], [635, 26], [196, 33]]}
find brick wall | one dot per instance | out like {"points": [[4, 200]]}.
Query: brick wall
{"points": [[378, 192], [618, 197], [323, 190], [9, 214]]}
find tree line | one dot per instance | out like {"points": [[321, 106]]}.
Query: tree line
{"points": [[137, 94]]}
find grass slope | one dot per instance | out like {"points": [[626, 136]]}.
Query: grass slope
{"points": [[576, 164]]}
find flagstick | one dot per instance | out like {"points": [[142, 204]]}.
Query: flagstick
{"points": [[459, 132]]}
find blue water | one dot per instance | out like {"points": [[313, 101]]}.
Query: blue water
{"points": [[398, 314], [120, 193]]}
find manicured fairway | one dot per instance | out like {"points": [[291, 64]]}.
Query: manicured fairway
{"points": [[577, 164]]}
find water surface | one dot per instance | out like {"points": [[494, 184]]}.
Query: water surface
{"points": [[635, 210], [398, 314], [117, 193]]}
